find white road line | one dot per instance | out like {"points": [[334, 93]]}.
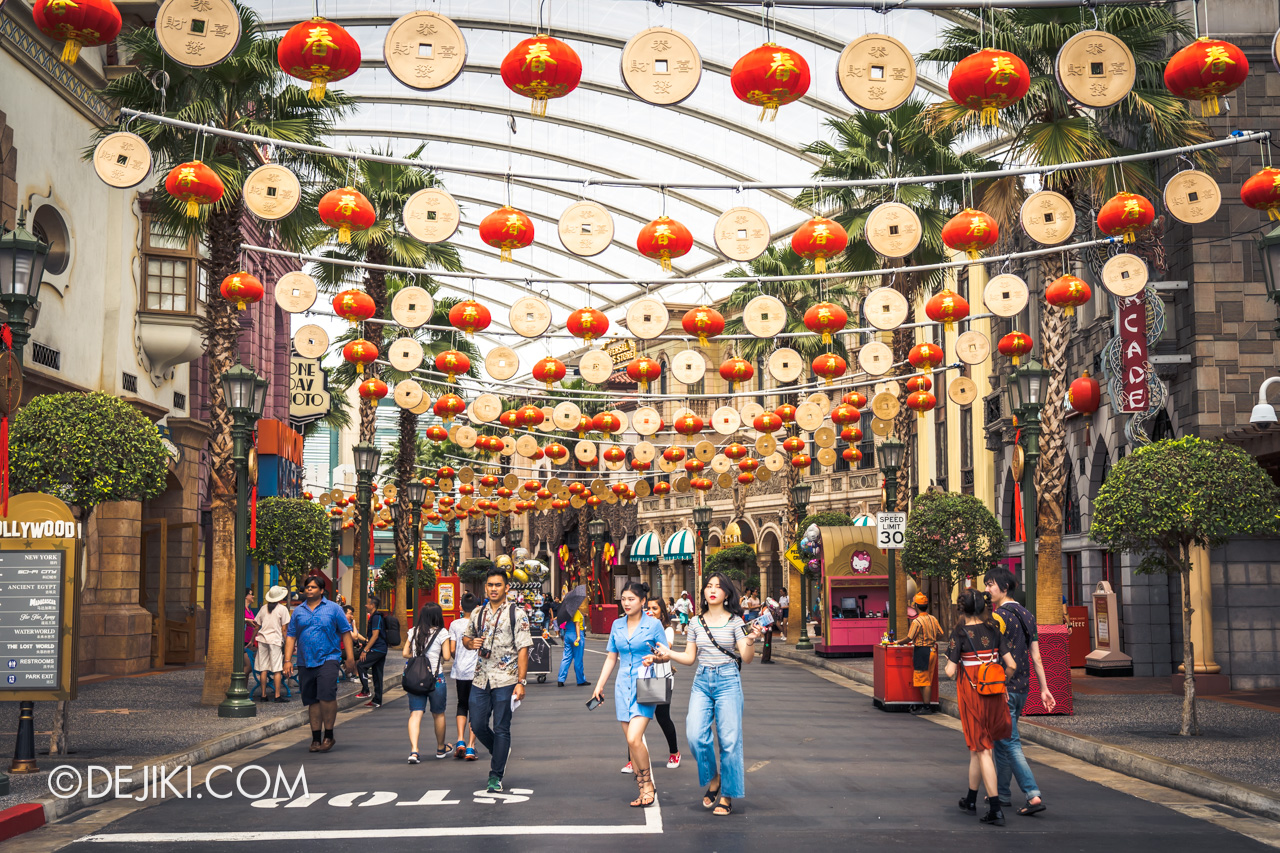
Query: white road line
{"points": [[652, 826]]}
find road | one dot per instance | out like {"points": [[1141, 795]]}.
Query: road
{"points": [[825, 768]]}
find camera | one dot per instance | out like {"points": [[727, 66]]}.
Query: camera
{"points": [[484, 652]]}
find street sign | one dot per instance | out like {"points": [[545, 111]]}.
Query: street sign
{"points": [[793, 557], [891, 530], [309, 398]]}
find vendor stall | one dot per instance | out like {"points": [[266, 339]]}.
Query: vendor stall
{"points": [[855, 592]]}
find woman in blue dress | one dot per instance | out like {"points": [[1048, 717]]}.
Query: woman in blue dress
{"points": [[633, 636]]}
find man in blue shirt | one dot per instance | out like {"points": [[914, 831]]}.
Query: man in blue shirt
{"points": [[320, 632], [374, 656]]}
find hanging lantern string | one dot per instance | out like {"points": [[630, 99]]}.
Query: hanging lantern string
{"points": [[885, 6], [1236, 138]]}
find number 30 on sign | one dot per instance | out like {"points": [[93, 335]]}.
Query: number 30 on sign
{"points": [[891, 530]]}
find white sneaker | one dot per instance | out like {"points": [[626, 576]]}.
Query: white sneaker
{"points": [[628, 769], [674, 761]]}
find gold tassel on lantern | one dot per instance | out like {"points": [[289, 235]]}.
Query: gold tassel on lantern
{"points": [[538, 107], [990, 117], [820, 264], [1208, 106], [1273, 213], [826, 339], [666, 261], [70, 51], [317, 89], [193, 208], [360, 366], [972, 254], [770, 110], [505, 256], [344, 234]]}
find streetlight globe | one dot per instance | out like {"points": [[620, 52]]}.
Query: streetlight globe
{"points": [[416, 491], [889, 454], [366, 457], [238, 384], [22, 262], [801, 492]]}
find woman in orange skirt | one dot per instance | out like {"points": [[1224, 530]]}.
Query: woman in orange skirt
{"points": [[984, 717]]}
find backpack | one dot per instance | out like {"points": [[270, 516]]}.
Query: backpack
{"points": [[391, 628], [419, 678]]}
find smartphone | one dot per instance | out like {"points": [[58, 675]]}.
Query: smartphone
{"points": [[764, 620], [594, 703]]}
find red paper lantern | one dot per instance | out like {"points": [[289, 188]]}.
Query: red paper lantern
{"points": [[618, 489], [825, 318], [970, 231], [767, 422], [702, 484], [1205, 70], [987, 82], [1085, 395], [664, 239], [541, 68], [1262, 192], [693, 466], [359, 352], [746, 478], [919, 383], [587, 323], [488, 481], [506, 229], [504, 492], [606, 422], [373, 388], [637, 465], [736, 370], [509, 419], [819, 239], [446, 408], [830, 367], [851, 455], [1067, 292], [347, 210], [196, 184], [845, 414], [444, 472], [769, 77], [556, 451], [748, 464], [451, 363], [703, 321], [354, 306], [548, 370], [242, 289], [921, 401], [673, 454], [470, 316], [663, 488], [466, 489], [855, 399], [437, 433], [793, 444], [530, 415], [925, 357], [851, 434], [577, 488], [78, 23], [319, 51], [801, 460], [688, 425], [786, 413], [644, 370], [735, 451], [1127, 214], [584, 425], [1014, 345], [947, 307]]}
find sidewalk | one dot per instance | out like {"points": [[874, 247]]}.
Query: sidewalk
{"points": [[137, 719]]}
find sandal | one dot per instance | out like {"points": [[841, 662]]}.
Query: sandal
{"points": [[644, 777], [724, 807], [1032, 808], [709, 798], [413, 758]]}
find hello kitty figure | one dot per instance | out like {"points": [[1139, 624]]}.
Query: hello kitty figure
{"points": [[860, 562]]}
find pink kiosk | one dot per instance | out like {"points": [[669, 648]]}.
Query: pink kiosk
{"points": [[855, 592]]}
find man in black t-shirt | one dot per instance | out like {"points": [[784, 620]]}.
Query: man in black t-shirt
{"points": [[374, 657], [1019, 629]]}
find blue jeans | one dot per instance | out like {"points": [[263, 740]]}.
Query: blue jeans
{"points": [[572, 654], [495, 700], [1009, 758], [716, 700]]}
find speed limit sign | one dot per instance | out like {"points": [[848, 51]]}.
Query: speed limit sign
{"points": [[891, 530]]}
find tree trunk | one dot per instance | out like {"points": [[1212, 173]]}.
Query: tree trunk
{"points": [[376, 287], [406, 459], [903, 424], [1051, 470], [224, 600], [1190, 722]]}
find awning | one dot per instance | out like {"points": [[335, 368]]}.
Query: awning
{"points": [[679, 546], [646, 549], [865, 520]]}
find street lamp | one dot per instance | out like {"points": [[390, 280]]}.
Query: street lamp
{"points": [[1026, 399], [417, 494], [701, 523], [800, 494], [597, 530], [335, 541], [22, 262], [366, 457], [245, 393], [1269, 249], [889, 454]]}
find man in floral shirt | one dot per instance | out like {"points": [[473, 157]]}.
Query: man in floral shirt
{"points": [[500, 633]]}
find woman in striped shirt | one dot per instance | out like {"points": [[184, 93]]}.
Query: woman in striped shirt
{"points": [[719, 643]]}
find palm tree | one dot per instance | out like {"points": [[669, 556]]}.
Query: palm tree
{"points": [[246, 92], [1046, 128]]}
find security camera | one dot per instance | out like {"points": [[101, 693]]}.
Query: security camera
{"points": [[1263, 417]]}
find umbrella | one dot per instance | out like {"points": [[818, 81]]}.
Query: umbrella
{"points": [[570, 604]]}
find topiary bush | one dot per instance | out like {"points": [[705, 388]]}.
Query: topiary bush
{"points": [[826, 519], [474, 570], [293, 535]]}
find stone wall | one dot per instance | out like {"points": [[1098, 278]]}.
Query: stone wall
{"points": [[115, 631], [1246, 612]]}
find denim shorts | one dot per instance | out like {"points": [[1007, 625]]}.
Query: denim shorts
{"points": [[436, 698]]}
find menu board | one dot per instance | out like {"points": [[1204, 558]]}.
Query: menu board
{"points": [[31, 603]]}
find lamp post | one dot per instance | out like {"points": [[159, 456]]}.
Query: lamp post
{"points": [[417, 493], [1269, 249], [335, 542], [800, 493], [597, 530], [22, 262], [245, 393], [367, 457], [889, 455], [701, 523], [1026, 399]]}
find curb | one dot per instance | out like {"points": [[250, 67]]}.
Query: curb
{"points": [[1138, 765], [28, 816]]}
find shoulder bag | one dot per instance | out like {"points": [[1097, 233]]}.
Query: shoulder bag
{"points": [[990, 680], [653, 689]]}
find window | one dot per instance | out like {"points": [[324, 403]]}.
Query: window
{"points": [[1070, 502], [966, 450], [173, 279], [1071, 581], [940, 444]]}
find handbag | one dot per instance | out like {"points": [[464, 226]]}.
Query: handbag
{"points": [[990, 680], [653, 689]]}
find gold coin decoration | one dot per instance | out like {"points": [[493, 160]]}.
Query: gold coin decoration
{"points": [[764, 316], [465, 437], [485, 408], [1125, 275], [821, 400], [886, 308], [584, 451], [893, 230], [502, 363], [508, 445], [647, 318], [749, 412], [808, 417], [424, 50], [704, 450], [412, 306], [1005, 295], [962, 390], [1048, 217], [775, 461], [623, 421], [595, 366], [826, 457], [644, 451], [547, 425], [311, 341], [720, 463], [566, 415], [973, 347], [875, 358], [763, 475], [725, 480], [526, 446], [431, 215], [296, 292], [824, 436], [466, 474], [785, 365], [688, 367], [646, 420], [881, 427], [405, 354], [198, 34], [599, 486], [1019, 461], [892, 387], [408, 394], [577, 501], [682, 485], [742, 234], [423, 407], [725, 420], [530, 316], [885, 406], [876, 72], [642, 489], [271, 192], [661, 66], [1192, 196], [122, 160], [585, 228], [766, 444], [1095, 69], [665, 466]]}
